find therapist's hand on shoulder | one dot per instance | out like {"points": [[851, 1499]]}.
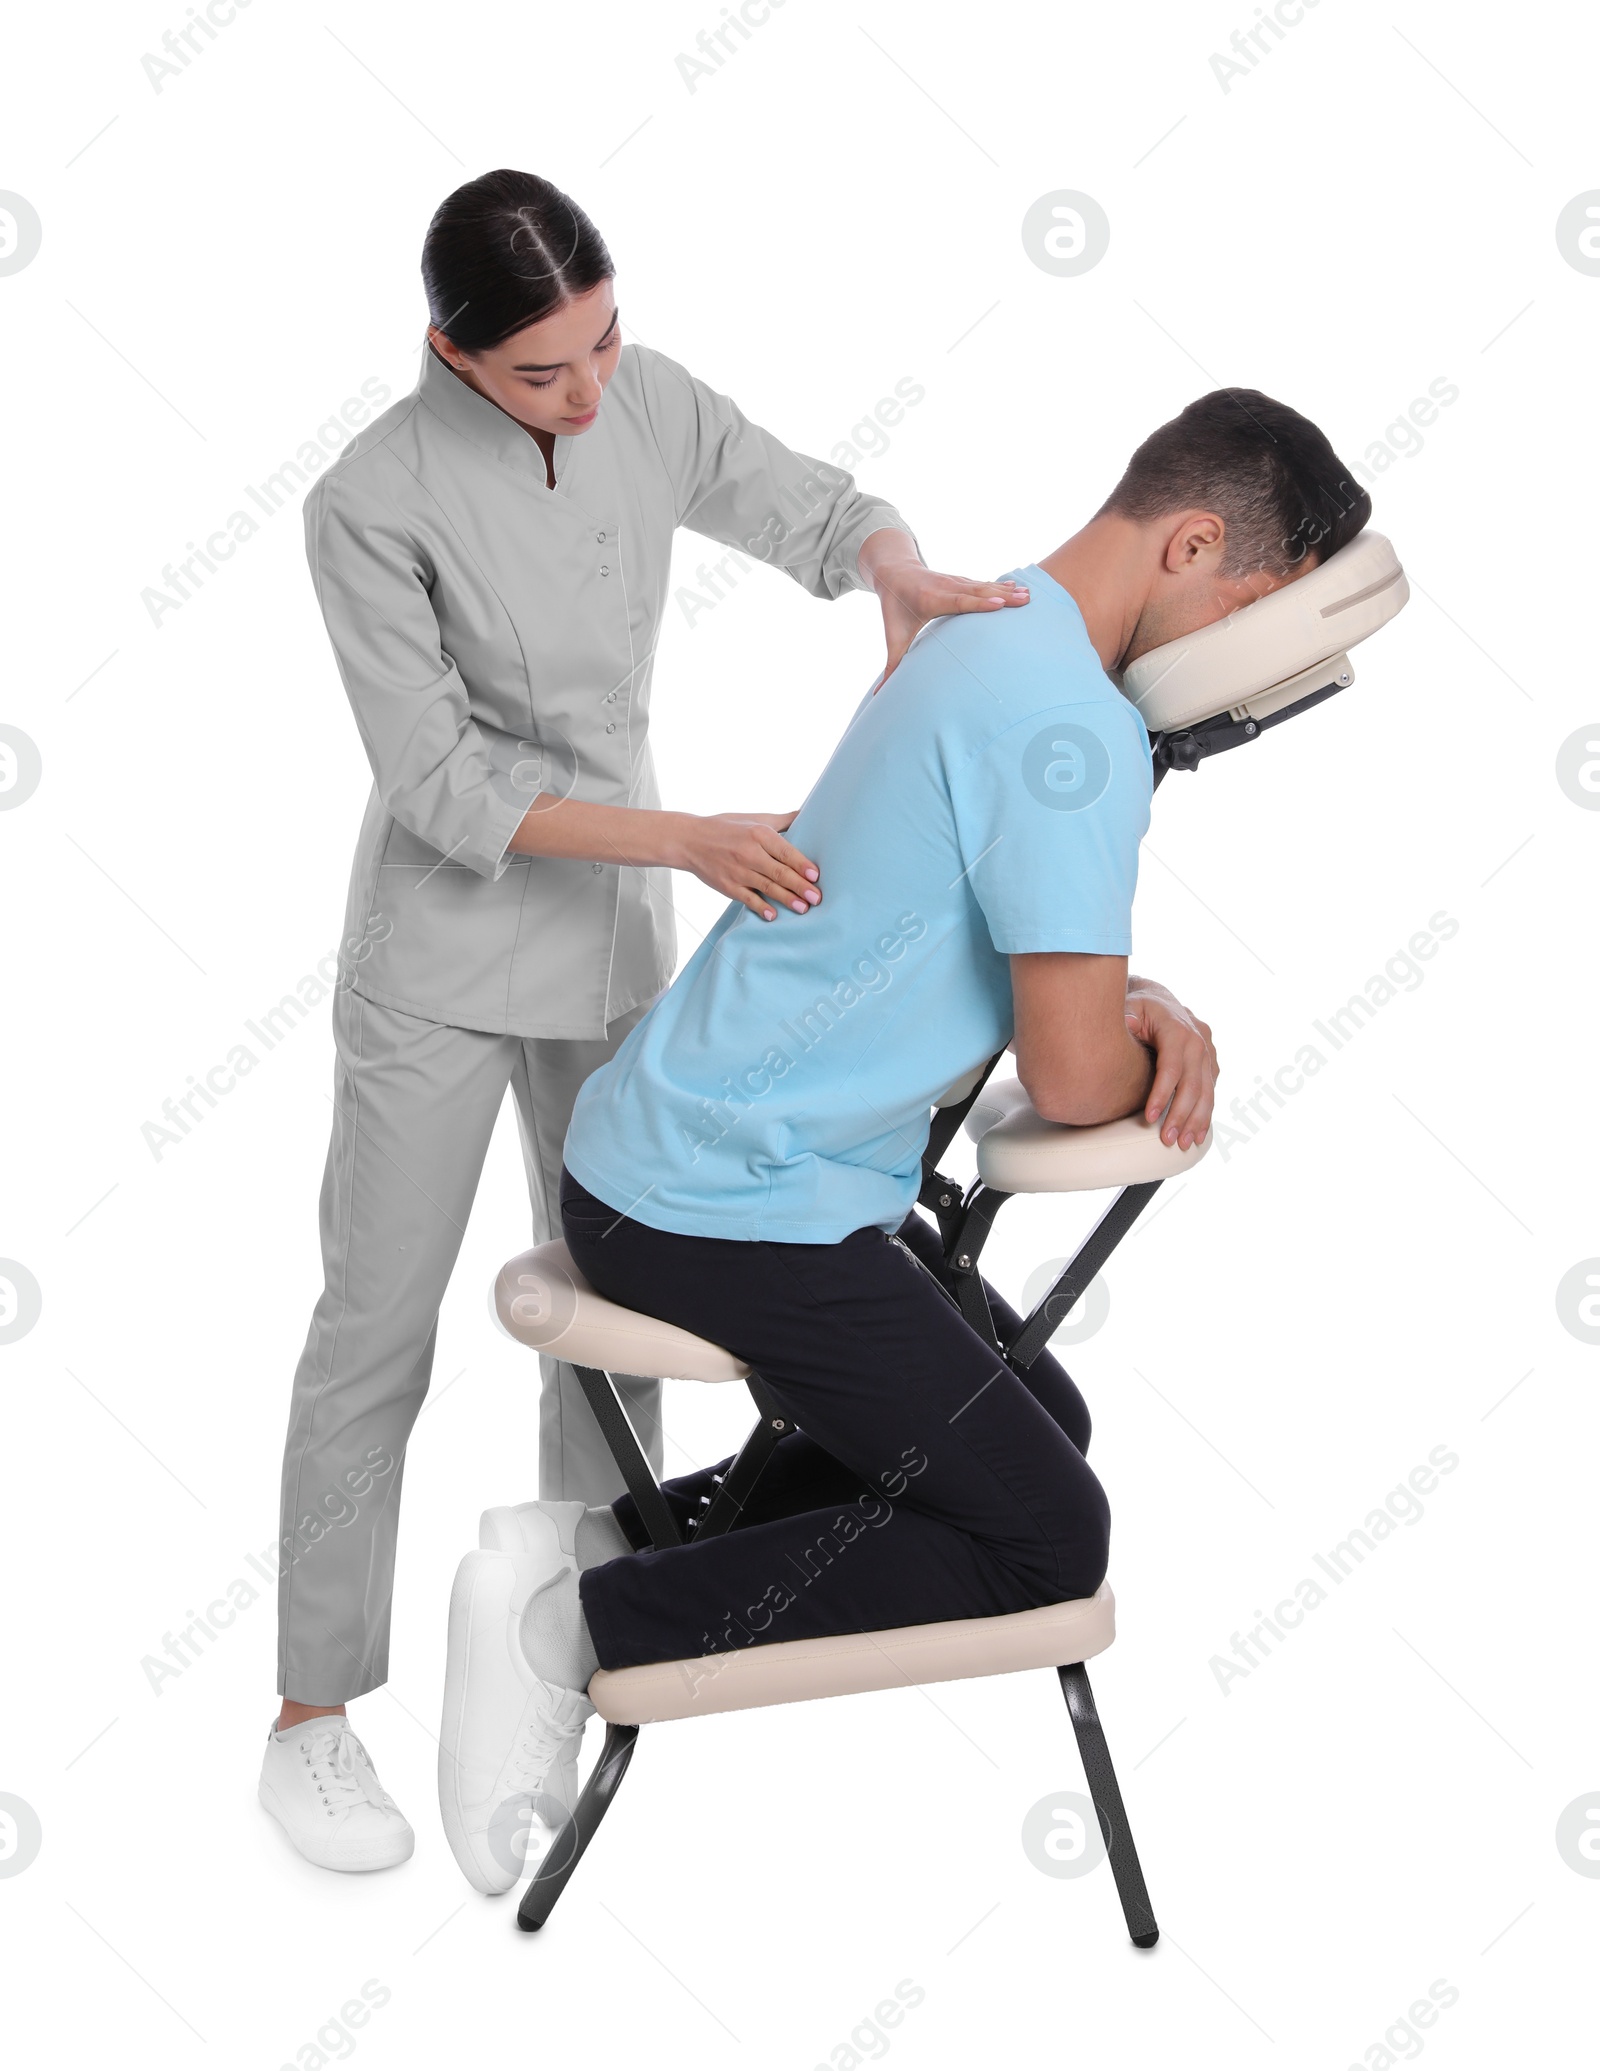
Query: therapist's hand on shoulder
{"points": [[746, 856], [911, 594]]}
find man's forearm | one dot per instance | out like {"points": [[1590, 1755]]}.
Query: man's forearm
{"points": [[1094, 1044], [1115, 1085], [1123, 1086]]}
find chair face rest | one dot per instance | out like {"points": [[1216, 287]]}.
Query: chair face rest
{"points": [[1313, 620], [847, 1664], [543, 1301], [1020, 1154]]}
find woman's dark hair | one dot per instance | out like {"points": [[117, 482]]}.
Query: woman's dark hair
{"points": [[503, 251], [1267, 472]]}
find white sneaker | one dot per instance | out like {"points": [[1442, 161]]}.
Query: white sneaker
{"points": [[523, 1531], [318, 1782], [508, 1747]]}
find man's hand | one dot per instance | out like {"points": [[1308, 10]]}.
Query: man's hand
{"points": [[1185, 1082], [911, 594]]}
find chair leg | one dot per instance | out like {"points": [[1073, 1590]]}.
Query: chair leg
{"points": [[723, 1512], [1108, 1805], [566, 1850], [609, 1414]]}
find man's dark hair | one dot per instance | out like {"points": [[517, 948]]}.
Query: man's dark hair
{"points": [[1267, 472]]}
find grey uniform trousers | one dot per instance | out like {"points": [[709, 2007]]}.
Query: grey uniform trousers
{"points": [[415, 1104]]}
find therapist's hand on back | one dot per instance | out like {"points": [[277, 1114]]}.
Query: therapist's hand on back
{"points": [[742, 855], [746, 856]]}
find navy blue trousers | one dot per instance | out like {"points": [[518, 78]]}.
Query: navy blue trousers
{"points": [[925, 1481]]}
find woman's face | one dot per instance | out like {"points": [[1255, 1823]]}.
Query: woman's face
{"points": [[551, 375]]}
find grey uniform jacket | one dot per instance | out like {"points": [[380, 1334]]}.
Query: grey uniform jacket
{"points": [[495, 638]]}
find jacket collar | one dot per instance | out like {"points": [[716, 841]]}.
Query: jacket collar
{"points": [[482, 423]]}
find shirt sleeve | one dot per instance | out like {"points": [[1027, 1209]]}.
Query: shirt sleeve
{"points": [[737, 484], [1049, 817], [429, 760]]}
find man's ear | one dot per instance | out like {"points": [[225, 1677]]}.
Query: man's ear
{"points": [[1195, 541]]}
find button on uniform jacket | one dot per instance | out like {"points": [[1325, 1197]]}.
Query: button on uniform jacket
{"points": [[495, 638]]}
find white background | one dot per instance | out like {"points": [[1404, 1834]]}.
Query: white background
{"points": [[1372, 1275]]}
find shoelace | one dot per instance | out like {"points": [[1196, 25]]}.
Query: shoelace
{"points": [[341, 1765], [540, 1746]]}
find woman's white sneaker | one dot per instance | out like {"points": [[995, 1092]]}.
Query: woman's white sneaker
{"points": [[318, 1782]]}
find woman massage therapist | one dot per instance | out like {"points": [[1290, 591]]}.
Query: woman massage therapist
{"points": [[491, 558]]}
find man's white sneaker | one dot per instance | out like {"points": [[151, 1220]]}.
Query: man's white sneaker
{"points": [[318, 1782], [508, 1747], [523, 1531]]}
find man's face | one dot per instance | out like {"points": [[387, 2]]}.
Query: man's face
{"points": [[1187, 592]]}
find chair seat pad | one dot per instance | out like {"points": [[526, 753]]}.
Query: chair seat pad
{"points": [[1019, 1153], [845, 1665], [542, 1300]]}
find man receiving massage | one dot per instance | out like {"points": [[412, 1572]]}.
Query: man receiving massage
{"points": [[746, 1165]]}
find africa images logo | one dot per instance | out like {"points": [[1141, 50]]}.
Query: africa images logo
{"points": [[1066, 767]]}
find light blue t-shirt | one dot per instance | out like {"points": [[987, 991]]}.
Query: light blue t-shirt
{"points": [[988, 801]]}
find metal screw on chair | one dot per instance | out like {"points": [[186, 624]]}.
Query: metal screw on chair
{"points": [[778, 1424], [965, 1259]]}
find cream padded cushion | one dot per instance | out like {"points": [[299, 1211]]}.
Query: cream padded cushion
{"points": [[544, 1301], [954, 1094], [1000, 1098], [844, 1666], [1244, 657], [1020, 1154]]}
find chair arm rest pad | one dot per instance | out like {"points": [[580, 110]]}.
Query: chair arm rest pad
{"points": [[1020, 1153]]}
